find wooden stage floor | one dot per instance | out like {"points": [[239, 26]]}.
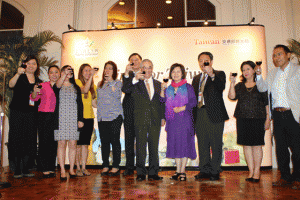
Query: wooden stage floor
{"points": [[232, 185]]}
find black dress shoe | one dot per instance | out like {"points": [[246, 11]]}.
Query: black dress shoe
{"points": [[141, 177], [175, 176], [105, 173], [214, 177], [154, 178], [46, 175], [255, 180], [128, 172], [52, 174], [63, 178], [114, 173], [202, 175], [182, 177], [73, 175], [249, 179]]}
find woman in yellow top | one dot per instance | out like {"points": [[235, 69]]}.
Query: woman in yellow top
{"points": [[88, 89]]}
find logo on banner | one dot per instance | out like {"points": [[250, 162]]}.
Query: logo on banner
{"points": [[223, 42], [85, 48], [204, 42], [235, 41]]}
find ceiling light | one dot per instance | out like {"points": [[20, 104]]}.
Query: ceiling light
{"points": [[168, 1], [71, 28], [252, 21], [158, 24], [113, 26], [170, 17], [121, 3], [206, 22]]}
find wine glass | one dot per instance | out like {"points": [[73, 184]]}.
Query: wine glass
{"points": [[166, 78], [234, 73], [258, 62]]}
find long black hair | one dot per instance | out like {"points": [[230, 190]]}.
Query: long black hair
{"points": [[72, 79]]}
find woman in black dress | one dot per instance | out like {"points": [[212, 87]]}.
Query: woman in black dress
{"points": [[22, 136], [252, 117]]}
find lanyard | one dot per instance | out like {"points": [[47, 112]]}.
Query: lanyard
{"points": [[203, 80]]}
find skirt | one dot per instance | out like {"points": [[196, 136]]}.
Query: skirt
{"points": [[250, 132]]}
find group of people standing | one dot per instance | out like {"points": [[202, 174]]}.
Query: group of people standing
{"points": [[67, 105]]}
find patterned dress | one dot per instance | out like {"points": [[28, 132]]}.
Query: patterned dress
{"points": [[68, 121]]}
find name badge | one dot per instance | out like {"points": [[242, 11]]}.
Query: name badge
{"points": [[200, 96], [31, 103]]}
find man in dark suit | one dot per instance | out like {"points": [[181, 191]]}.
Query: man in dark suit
{"points": [[134, 65], [209, 115], [148, 118]]}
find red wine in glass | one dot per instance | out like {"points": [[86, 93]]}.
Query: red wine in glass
{"points": [[258, 63], [165, 80], [234, 74]]}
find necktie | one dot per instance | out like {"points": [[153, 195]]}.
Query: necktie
{"points": [[148, 88], [200, 103]]}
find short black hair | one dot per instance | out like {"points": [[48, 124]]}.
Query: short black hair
{"points": [[206, 53], [181, 68], [252, 65], [285, 48], [135, 54], [55, 66]]}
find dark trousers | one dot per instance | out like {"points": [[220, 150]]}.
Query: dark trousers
{"points": [[129, 139], [22, 140], [47, 144], [110, 134], [287, 135], [210, 137], [143, 135]]}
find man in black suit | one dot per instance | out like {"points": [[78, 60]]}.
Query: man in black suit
{"points": [[134, 65], [148, 118], [209, 115]]}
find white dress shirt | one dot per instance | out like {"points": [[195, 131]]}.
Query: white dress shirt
{"points": [[278, 89], [150, 80]]}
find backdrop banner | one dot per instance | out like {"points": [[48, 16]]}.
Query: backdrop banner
{"points": [[230, 45]]}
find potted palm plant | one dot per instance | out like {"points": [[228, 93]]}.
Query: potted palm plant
{"points": [[294, 46], [15, 49]]}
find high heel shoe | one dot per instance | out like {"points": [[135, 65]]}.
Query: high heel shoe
{"points": [[249, 179], [114, 173], [255, 180], [63, 178], [105, 173], [182, 177], [175, 176], [72, 175]]}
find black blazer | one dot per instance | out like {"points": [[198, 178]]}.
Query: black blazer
{"points": [[146, 111], [213, 96], [79, 106]]}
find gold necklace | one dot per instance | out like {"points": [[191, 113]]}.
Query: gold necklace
{"points": [[249, 90]]}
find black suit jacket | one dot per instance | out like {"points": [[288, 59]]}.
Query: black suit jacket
{"points": [[213, 96], [127, 103], [146, 112]]}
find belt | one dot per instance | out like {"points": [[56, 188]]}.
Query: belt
{"points": [[281, 109]]}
